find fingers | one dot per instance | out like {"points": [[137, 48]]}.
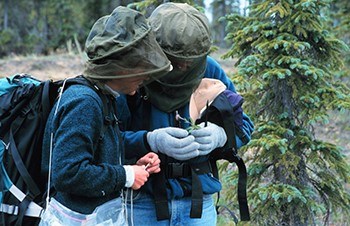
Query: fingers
{"points": [[151, 155], [205, 145], [179, 148], [187, 156], [150, 162], [186, 152], [176, 141], [153, 167], [191, 147], [206, 131], [149, 158], [204, 140], [169, 141], [183, 142], [141, 177], [205, 150], [202, 125], [176, 132]]}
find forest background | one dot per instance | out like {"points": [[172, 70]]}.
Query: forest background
{"points": [[45, 38]]}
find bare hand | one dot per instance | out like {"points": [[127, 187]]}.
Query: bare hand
{"points": [[141, 176], [151, 162]]}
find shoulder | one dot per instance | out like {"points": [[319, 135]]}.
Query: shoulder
{"points": [[213, 66], [214, 70], [81, 98], [212, 62], [81, 93]]}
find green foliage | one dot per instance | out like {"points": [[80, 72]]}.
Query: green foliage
{"points": [[144, 6], [42, 27], [6, 40], [341, 27], [287, 62], [9, 42], [190, 122]]}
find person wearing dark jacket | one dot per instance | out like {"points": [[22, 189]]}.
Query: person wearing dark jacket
{"points": [[87, 164], [160, 106]]}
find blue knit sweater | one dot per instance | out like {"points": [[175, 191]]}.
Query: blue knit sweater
{"points": [[86, 169]]}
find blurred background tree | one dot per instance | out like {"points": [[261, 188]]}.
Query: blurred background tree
{"points": [[47, 26]]}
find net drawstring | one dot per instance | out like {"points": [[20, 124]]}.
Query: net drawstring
{"points": [[131, 205], [51, 144]]}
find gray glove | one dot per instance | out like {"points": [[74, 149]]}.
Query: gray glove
{"points": [[210, 137], [173, 142]]}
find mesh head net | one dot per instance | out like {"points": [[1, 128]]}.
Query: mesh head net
{"points": [[183, 33], [181, 30], [122, 45]]}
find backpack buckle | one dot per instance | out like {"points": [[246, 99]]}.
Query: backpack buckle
{"points": [[177, 170]]}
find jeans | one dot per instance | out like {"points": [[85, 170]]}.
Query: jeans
{"points": [[143, 211]]}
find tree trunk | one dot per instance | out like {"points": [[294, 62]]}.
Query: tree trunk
{"points": [[222, 31], [6, 9], [283, 102]]}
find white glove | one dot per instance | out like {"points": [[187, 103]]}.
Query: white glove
{"points": [[210, 137], [173, 142]]}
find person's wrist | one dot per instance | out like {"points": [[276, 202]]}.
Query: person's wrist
{"points": [[222, 136], [151, 141], [145, 141], [129, 175]]}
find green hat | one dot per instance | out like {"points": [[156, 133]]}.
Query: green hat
{"points": [[122, 45], [181, 30], [183, 33]]}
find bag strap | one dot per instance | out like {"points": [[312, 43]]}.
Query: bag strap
{"points": [[242, 190], [108, 119], [32, 187], [196, 196], [223, 106], [180, 170], [160, 197]]}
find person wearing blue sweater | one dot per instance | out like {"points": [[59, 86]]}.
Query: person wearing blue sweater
{"points": [[87, 168], [181, 194]]}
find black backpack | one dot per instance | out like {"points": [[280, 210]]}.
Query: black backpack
{"points": [[226, 111], [25, 103]]}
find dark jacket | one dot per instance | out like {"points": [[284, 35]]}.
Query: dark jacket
{"points": [[136, 144], [86, 164]]}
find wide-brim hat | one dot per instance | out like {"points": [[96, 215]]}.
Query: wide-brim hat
{"points": [[122, 45], [181, 30]]}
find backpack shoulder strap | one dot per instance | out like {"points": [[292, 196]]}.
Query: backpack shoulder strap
{"points": [[108, 119], [220, 112]]}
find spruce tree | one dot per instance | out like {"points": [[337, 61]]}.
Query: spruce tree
{"points": [[341, 23], [286, 63]]}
